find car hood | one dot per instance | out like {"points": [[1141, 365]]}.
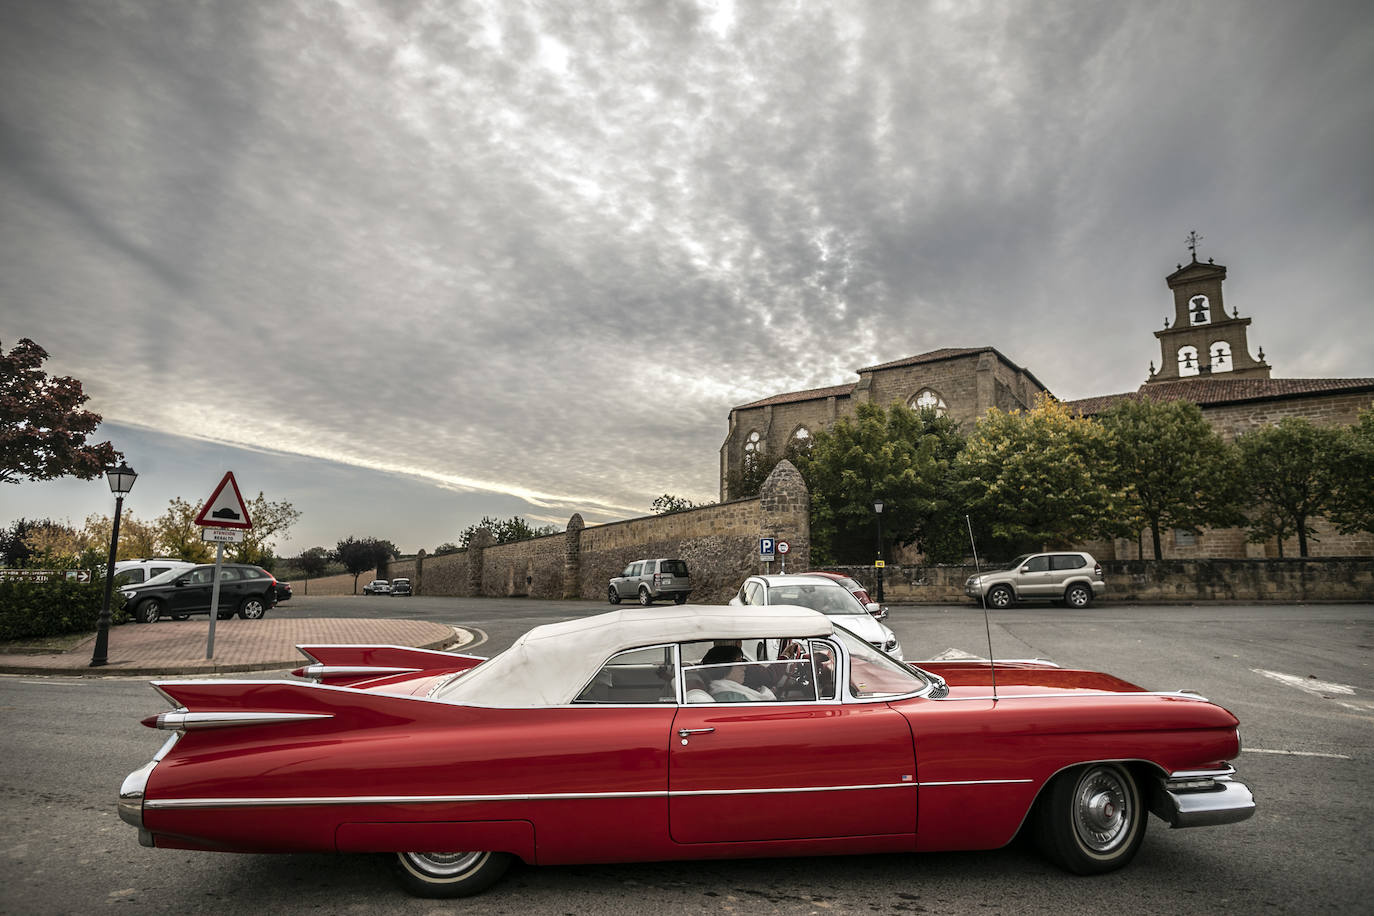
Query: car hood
{"points": [[864, 626]]}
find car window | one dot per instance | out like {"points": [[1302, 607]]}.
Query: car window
{"points": [[1067, 561], [131, 576], [229, 574], [157, 570], [1037, 564], [747, 681], [674, 567], [253, 572], [634, 676], [202, 576]]}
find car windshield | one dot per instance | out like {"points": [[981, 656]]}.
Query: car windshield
{"points": [[873, 674], [674, 567], [1018, 561], [163, 578], [829, 598]]}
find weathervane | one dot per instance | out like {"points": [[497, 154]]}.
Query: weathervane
{"points": [[1193, 239]]}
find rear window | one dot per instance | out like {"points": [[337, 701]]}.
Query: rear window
{"points": [[673, 567], [1067, 561]]}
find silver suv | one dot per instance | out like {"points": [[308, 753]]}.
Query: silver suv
{"points": [[1073, 577], [650, 580]]}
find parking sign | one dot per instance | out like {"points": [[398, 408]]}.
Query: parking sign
{"points": [[766, 546]]}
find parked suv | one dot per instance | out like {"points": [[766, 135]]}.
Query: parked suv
{"points": [[136, 572], [650, 580], [248, 591], [1073, 577]]}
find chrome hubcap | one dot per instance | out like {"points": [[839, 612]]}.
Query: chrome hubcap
{"points": [[1102, 811], [444, 864]]}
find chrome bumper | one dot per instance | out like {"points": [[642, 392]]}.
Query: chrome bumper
{"points": [[1202, 805], [133, 789]]}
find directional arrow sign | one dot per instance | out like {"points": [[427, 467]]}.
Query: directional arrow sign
{"points": [[225, 508]]}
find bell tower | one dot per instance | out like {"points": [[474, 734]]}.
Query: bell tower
{"points": [[1203, 342]]}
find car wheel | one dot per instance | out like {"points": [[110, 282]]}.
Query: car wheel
{"points": [[1078, 595], [644, 597], [679, 599], [148, 611], [1000, 597], [252, 608], [612, 595], [450, 874], [1090, 820]]}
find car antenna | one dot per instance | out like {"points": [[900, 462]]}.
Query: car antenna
{"points": [[983, 597]]}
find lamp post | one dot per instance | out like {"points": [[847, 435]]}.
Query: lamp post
{"points": [[121, 481], [878, 512]]}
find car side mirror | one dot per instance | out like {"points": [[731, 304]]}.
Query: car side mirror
{"points": [[877, 610]]}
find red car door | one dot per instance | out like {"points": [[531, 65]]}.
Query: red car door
{"points": [[776, 771]]}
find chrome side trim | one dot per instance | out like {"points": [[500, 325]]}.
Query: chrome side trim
{"points": [[176, 803], [1176, 694], [131, 794], [181, 720], [319, 671]]}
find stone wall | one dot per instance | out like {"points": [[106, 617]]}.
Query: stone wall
{"points": [[1160, 582]]}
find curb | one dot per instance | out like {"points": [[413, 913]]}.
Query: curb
{"points": [[459, 638]]}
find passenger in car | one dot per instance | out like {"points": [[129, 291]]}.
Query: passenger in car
{"points": [[728, 686]]}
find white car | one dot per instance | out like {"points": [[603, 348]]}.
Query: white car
{"points": [[820, 594], [377, 587]]}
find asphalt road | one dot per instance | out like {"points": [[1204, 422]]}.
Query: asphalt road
{"points": [[1299, 678]]}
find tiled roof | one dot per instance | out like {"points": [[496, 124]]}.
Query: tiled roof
{"points": [[1213, 392], [931, 357], [791, 397]]}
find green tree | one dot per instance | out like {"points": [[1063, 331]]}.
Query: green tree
{"points": [[313, 562], [43, 429], [358, 555], [1036, 477], [1170, 468], [14, 551], [177, 533], [667, 504], [270, 519], [1291, 474], [901, 455], [1352, 503], [506, 531]]}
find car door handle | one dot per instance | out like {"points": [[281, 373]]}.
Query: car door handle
{"points": [[684, 732]]}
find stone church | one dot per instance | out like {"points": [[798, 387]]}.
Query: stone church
{"points": [[1204, 357]]}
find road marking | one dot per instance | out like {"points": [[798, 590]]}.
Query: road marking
{"points": [[1264, 750], [950, 655], [1309, 684]]}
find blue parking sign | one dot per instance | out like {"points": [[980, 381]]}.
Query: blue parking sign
{"points": [[766, 546]]}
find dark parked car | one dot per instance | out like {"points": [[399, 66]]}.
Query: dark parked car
{"points": [[283, 592], [244, 590], [400, 587]]}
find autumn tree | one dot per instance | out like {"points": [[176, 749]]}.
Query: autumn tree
{"points": [[901, 455], [1291, 477], [178, 535], [358, 555], [43, 430], [271, 519], [1035, 477], [1169, 467]]}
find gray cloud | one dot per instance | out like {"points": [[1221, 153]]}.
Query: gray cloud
{"points": [[543, 247]]}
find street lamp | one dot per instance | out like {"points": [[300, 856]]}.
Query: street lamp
{"points": [[878, 511], [121, 481]]}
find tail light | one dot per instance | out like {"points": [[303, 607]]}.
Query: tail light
{"points": [[1097, 570]]}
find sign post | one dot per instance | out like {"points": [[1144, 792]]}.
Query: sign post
{"points": [[783, 547], [226, 515]]}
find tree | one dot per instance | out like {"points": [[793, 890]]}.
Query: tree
{"points": [[446, 547], [1170, 468], [1035, 478], [507, 531], [1352, 503], [1290, 473], [14, 551], [898, 454], [667, 504], [43, 429], [177, 533], [358, 555], [313, 561], [270, 519]]}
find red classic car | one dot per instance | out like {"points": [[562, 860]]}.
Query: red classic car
{"points": [[652, 734]]}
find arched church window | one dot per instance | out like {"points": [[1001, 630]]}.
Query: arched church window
{"points": [[1221, 356], [1187, 361], [1200, 309], [753, 447], [801, 441], [925, 399]]}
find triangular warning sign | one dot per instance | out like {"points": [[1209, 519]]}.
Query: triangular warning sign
{"points": [[225, 508]]}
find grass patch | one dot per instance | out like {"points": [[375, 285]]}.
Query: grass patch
{"points": [[43, 645]]}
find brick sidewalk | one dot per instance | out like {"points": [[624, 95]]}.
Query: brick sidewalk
{"points": [[178, 647]]}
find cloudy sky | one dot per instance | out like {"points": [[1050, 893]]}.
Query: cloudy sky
{"points": [[408, 263]]}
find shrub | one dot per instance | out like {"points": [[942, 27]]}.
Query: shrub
{"points": [[30, 609]]}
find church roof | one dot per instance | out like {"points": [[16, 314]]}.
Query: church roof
{"points": [[844, 391], [1214, 392]]}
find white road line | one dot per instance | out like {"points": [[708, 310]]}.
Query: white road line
{"points": [[1265, 750], [1309, 684]]}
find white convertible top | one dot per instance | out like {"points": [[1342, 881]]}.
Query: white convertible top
{"points": [[550, 664]]}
